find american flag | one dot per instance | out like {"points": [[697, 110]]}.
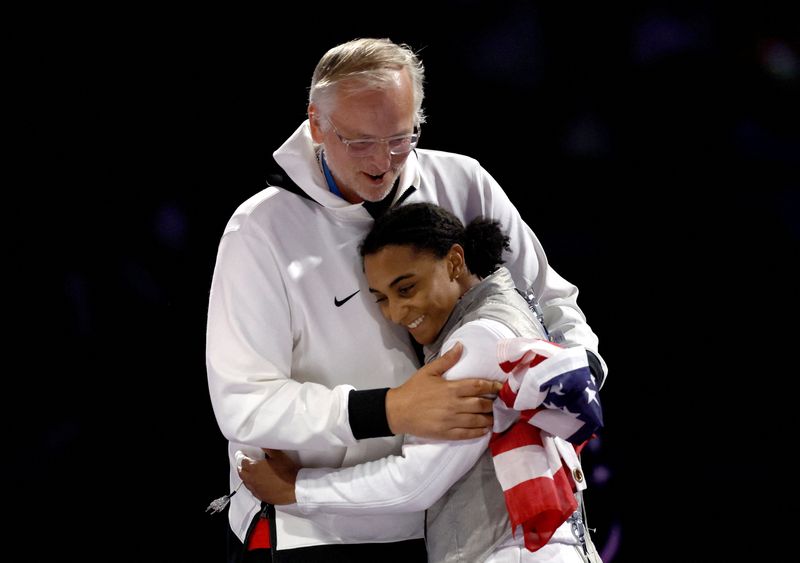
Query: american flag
{"points": [[550, 396]]}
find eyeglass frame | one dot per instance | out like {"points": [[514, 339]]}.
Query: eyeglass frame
{"points": [[384, 140]]}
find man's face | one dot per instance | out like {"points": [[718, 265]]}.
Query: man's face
{"points": [[363, 115]]}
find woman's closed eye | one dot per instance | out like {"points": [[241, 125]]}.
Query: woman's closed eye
{"points": [[406, 290]]}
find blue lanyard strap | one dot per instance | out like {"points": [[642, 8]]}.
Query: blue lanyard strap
{"points": [[329, 177]]}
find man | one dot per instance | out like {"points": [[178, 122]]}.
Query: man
{"points": [[292, 331]]}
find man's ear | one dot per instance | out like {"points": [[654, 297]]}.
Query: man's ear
{"points": [[314, 123]]}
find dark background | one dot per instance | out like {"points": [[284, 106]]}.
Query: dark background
{"points": [[653, 150]]}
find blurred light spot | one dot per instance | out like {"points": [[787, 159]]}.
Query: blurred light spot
{"points": [[298, 268], [171, 226], [142, 282], [611, 547], [779, 59], [507, 51], [600, 475], [661, 36]]}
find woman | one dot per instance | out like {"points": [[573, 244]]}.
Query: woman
{"points": [[444, 282]]}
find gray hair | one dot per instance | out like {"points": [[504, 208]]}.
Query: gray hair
{"points": [[365, 64]]}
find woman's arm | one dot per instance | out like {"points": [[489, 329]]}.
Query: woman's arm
{"points": [[409, 482]]}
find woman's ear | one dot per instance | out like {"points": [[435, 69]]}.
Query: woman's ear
{"points": [[455, 262]]}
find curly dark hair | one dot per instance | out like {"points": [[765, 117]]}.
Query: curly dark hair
{"points": [[431, 228]]}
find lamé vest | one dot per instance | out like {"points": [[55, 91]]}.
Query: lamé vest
{"points": [[471, 518]]}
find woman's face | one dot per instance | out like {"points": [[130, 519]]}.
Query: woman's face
{"points": [[414, 288]]}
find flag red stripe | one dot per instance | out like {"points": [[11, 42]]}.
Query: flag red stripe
{"points": [[537, 359], [520, 434], [540, 506], [507, 395], [542, 496]]}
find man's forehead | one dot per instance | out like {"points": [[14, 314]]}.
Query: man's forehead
{"points": [[376, 79]]}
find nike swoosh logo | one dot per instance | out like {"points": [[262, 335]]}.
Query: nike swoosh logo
{"points": [[345, 300]]}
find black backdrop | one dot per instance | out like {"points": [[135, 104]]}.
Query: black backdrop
{"points": [[654, 151]]}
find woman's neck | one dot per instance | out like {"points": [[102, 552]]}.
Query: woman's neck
{"points": [[468, 281]]}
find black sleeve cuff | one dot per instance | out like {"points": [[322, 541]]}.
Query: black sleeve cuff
{"points": [[367, 412], [594, 365]]}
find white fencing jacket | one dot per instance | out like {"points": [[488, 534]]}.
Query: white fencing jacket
{"points": [[292, 327]]}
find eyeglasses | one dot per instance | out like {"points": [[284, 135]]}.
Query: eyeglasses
{"points": [[398, 144]]}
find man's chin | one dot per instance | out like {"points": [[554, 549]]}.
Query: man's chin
{"points": [[375, 194]]}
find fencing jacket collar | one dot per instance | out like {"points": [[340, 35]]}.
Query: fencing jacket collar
{"points": [[299, 172]]}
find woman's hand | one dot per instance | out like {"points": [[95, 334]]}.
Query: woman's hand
{"points": [[272, 479]]}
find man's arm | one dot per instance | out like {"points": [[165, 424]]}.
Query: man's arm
{"points": [[427, 405], [530, 269]]}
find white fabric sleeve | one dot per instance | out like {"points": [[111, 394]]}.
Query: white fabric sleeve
{"points": [[248, 356], [528, 265], [426, 469]]}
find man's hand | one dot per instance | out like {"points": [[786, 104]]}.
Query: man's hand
{"points": [[427, 405], [271, 480]]}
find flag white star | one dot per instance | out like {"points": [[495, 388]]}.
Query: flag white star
{"points": [[562, 409]]}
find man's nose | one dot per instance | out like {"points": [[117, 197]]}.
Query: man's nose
{"points": [[381, 158]]}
